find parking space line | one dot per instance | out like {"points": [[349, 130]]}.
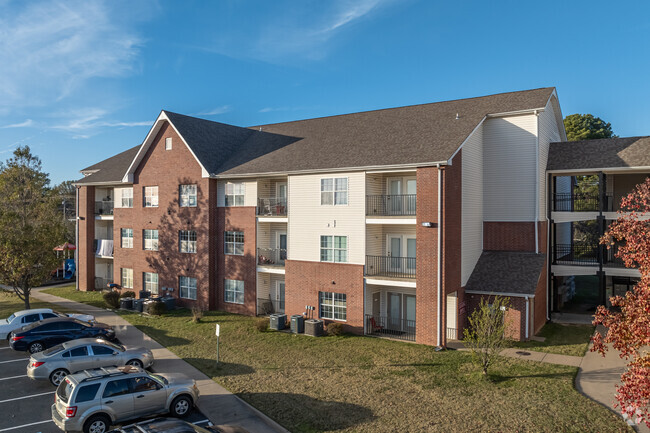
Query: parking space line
{"points": [[201, 422], [25, 425], [5, 348], [14, 360], [13, 377], [27, 396]]}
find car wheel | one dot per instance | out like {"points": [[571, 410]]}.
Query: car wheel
{"points": [[97, 424], [135, 363], [35, 347], [57, 376], [181, 406]]}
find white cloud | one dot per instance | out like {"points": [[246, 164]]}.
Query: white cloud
{"points": [[90, 119], [215, 111], [27, 123]]}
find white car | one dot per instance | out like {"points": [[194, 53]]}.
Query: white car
{"points": [[25, 317]]}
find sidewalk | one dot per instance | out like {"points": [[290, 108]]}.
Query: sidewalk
{"points": [[217, 403], [551, 358]]}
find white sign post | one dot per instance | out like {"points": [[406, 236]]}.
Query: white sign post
{"points": [[217, 332]]}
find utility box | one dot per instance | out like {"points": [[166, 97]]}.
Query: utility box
{"points": [[314, 327], [297, 324], [278, 321]]}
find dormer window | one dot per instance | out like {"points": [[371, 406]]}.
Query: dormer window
{"points": [[168, 143]]}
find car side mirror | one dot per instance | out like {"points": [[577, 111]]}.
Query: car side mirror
{"points": [[114, 353]]}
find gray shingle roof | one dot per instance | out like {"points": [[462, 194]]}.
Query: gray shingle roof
{"points": [[506, 272], [111, 169], [602, 153]]}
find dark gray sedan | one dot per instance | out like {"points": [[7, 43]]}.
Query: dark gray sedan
{"points": [[57, 362]]}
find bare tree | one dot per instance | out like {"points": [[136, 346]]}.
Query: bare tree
{"points": [[486, 335]]}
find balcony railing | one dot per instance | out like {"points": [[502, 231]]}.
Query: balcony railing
{"points": [[102, 283], [611, 260], [272, 206], [104, 208], [572, 202], [269, 306], [271, 256], [392, 267], [391, 327], [103, 247], [391, 205], [580, 255]]}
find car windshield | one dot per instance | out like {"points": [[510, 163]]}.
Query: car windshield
{"points": [[53, 350], [64, 390], [159, 379], [114, 346], [10, 318]]}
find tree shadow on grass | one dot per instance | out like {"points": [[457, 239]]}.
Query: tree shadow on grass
{"points": [[216, 370], [162, 337], [303, 413]]}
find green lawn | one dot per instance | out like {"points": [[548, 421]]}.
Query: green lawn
{"points": [[69, 292], [9, 304], [364, 384], [563, 339]]}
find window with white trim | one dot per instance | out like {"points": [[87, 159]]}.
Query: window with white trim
{"points": [[168, 143], [127, 238], [235, 194], [332, 305], [187, 287], [187, 195], [187, 241], [150, 280], [150, 196], [127, 197], [150, 240], [334, 249], [334, 191], [234, 291], [127, 278], [234, 243]]}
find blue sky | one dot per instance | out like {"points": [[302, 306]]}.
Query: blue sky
{"points": [[83, 80]]}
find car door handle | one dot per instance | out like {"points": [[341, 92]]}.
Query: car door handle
{"points": [[109, 402], [140, 396]]}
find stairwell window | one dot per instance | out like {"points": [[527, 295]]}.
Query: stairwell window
{"points": [[235, 194], [187, 196], [127, 197], [334, 191], [334, 249], [187, 241], [150, 240], [187, 287], [234, 291], [332, 305], [127, 278], [150, 282], [127, 238], [234, 243], [168, 143], [150, 196]]}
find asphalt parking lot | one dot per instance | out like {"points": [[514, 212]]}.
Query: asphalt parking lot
{"points": [[25, 404]]}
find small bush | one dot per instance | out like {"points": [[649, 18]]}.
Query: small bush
{"points": [[197, 314], [262, 324], [155, 308], [334, 328], [127, 294], [112, 299]]}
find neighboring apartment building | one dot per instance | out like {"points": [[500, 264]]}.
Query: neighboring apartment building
{"points": [[395, 222]]}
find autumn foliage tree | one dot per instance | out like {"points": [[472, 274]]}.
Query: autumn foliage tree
{"points": [[628, 326]]}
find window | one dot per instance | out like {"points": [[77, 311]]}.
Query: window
{"points": [[234, 291], [334, 249], [188, 195], [127, 238], [187, 240], [332, 305], [143, 384], [151, 282], [127, 197], [168, 143], [127, 278], [116, 387], [187, 287], [334, 191], [87, 393], [234, 243], [150, 240], [102, 350], [235, 194], [29, 318], [79, 351], [150, 196], [48, 315]]}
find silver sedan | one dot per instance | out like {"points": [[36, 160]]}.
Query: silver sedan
{"points": [[55, 363]]}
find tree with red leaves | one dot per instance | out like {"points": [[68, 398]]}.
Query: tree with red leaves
{"points": [[628, 329]]}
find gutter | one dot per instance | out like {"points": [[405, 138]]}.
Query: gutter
{"points": [[536, 186], [527, 315], [439, 258]]}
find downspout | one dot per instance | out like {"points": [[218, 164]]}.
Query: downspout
{"points": [[439, 258], [536, 186], [527, 315], [76, 239]]}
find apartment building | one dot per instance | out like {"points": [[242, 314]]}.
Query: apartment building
{"points": [[394, 222]]}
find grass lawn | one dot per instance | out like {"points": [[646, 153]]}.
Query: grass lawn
{"points": [[10, 303], [364, 384], [69, 292], [563, 339]]}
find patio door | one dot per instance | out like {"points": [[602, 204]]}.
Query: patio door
{"points": [[279, 297], [409, 313], [282, 245], [401, 250], [401, 311], [281, 193], [395, 252], [411, 191], [394, 196]]}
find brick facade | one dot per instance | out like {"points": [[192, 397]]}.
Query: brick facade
{"points": [[85, 250], [452, 237], [509, 236]]}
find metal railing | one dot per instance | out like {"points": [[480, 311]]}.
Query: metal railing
{"points": [[391, 327], [452, 333], [611, 260], [273, 206], [581, 255], [572, 202], [391, 205], [267, 306], [394, 267], [102, 283], [104, 208], [271, 256]]}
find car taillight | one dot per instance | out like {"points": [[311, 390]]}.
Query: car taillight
{"points": [[70, 412], [14, 338], [37, 364]]}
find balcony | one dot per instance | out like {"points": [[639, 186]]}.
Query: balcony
{"points": [[103, 247], [391, 205], [390, 267], [269, 306], [272, 206], [572, 202], [576, 255], [271, 256], [390, 327], [104, 208], [611, 260]]}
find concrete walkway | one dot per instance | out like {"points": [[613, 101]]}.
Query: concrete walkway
{"points": [[217, 403], [551, 358]]}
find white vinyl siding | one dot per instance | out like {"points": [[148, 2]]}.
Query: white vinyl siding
{"points": [[250, 192], [548, 133], [187, 287], [472, 203], [509, 168], [308, 220], [124, 197]]}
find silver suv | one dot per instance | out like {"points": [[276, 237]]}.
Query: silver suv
{"points": [[93, 400]]}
